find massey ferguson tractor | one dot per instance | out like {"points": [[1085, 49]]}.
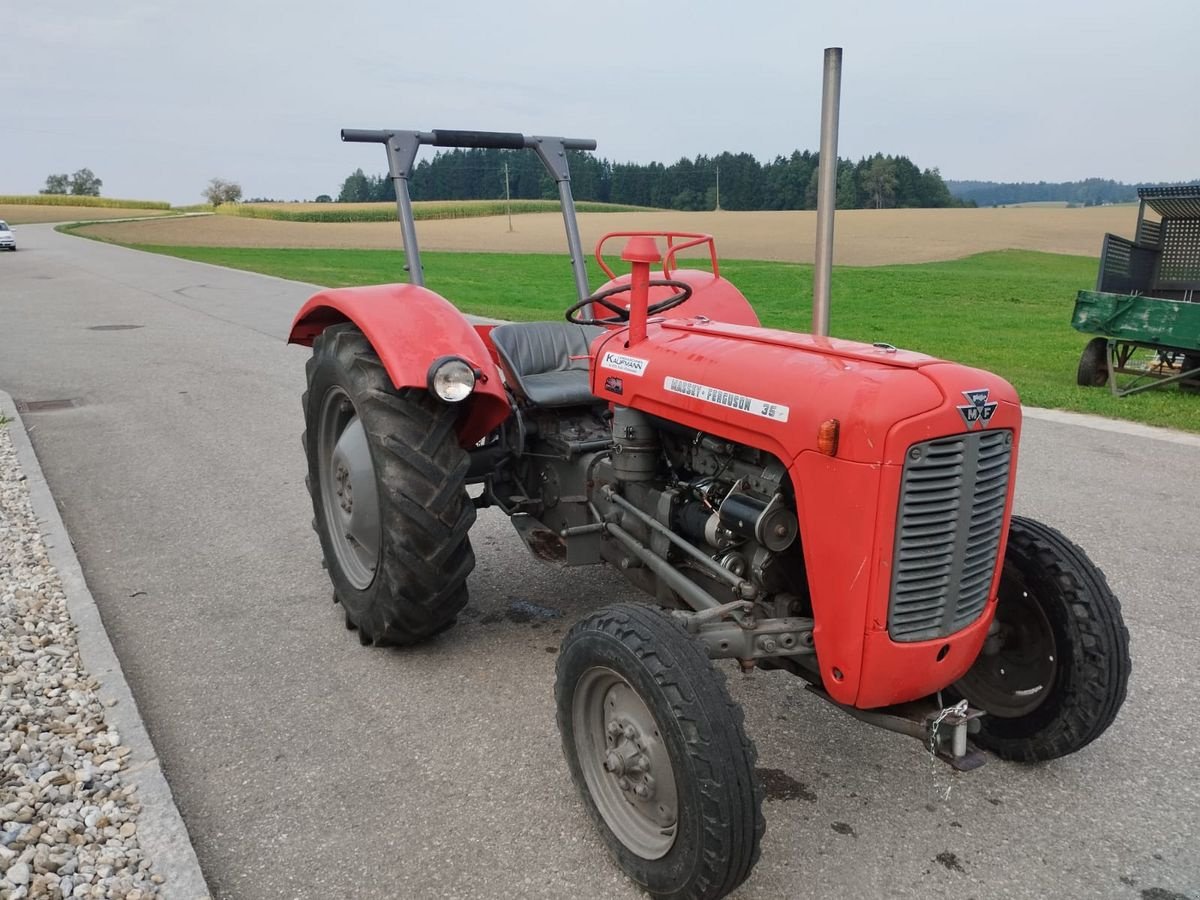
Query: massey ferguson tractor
{"points": [[839, 510]]}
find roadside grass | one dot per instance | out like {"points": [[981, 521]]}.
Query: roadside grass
{"points": [[386, 212], [1008, 312]]}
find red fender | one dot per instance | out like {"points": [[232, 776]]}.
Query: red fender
{"points": [[410, 327]]}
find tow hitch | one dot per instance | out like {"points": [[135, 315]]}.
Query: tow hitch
{"points": [[943, 730]]}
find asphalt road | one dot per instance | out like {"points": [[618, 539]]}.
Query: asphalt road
{"points": [[306, 766]]}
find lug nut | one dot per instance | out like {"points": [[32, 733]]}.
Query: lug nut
{"points": [[630, 732], [623, 783]]}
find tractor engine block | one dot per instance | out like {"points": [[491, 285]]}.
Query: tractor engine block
{"points": [[731, 502]]}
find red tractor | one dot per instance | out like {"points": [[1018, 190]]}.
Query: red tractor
{"points": [[839, 510]]}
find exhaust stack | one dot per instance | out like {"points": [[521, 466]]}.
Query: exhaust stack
{"points": [[831, 98]]}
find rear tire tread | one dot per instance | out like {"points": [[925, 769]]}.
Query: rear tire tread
{"points": [[425, 554]]}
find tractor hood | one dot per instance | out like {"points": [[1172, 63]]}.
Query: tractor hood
{"points": [[774, 389], [882, 354]]}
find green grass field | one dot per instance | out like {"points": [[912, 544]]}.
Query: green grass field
{"points": [[1008, 312]]}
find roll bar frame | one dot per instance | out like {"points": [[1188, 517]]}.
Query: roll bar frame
{"points": [[402, 149]]}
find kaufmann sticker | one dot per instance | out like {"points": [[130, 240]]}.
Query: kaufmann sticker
{"points": [[777, 412], [630, 365]]}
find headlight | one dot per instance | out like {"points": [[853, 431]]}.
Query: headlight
{"points": [[451, 379]]}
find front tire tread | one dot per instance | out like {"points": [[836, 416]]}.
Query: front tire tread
{"points": [[720, 753], [1095, 667]]}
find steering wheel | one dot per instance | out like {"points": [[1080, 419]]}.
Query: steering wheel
{"points": [[621, 313]]}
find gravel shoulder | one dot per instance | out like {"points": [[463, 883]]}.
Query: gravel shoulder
{"points": [[84, 808]]}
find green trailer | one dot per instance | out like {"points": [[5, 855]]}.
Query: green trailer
{"points": [[1146, 305]]}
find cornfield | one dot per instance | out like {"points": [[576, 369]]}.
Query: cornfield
{"points": [[386, 212], [80, 200]]}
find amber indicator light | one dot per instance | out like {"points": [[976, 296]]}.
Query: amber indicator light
{"points": [[827, 437]]}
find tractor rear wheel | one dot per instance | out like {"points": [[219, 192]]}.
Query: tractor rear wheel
{"points": [[659, 752], [387, 480], [1093, 364], [1054, 669]]}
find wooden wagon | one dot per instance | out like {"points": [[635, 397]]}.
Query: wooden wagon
{"points": [[1146, 305]]}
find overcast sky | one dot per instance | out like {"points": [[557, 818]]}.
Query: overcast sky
{"points": [[158, 97]]}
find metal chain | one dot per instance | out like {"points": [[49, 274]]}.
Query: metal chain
{"points": [[939, 768], [960, 708]]}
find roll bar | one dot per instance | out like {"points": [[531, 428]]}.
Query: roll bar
{"points": [[482, 140], [402, 149]]}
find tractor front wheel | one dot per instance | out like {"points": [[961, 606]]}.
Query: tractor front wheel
{"points": [[1054, 669], [387, 480], [659, 752]]}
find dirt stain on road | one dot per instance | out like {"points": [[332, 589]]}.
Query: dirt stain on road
{"points": [[779, 785], [522, 612], [950, 861]]}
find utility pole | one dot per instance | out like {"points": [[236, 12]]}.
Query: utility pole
{"points": [[718, 187], [507, 197]]}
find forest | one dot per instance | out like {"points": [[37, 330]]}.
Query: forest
{"points": [[735, 181], [1088, 192]]}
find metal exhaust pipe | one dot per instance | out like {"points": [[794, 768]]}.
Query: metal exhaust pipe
{"points": [[831, 98]]}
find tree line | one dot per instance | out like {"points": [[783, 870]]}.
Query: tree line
{"points": [[1088, 192], [83, 183], [735, 181]]}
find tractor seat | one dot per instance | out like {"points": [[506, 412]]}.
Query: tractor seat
{"points": [[547, 361]]}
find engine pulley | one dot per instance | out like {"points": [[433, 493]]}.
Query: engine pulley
{"points": [[770, 523]]}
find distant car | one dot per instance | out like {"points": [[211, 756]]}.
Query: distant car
{"points": [[8, 240]]}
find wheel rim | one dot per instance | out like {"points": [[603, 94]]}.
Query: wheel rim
{"points": [[625, 763], [1016, 669], [349, 494]]}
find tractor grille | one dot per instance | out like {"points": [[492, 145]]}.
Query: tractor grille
{"points": [[952, 499]]}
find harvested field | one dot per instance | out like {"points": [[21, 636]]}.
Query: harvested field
{"points": [[24, 214], [863, 237]]}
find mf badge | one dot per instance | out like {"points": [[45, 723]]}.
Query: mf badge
{"points": [[977, 412]]}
